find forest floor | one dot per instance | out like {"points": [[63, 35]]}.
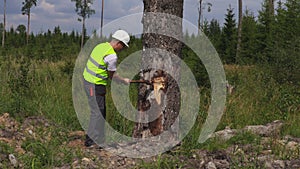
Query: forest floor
{"points": [[26, 144]]}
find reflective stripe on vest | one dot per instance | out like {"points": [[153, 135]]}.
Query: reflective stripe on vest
{"points": [[96, 69], [97, 64], [95, 74]]}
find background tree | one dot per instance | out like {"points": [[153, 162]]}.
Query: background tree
{"points": [[284, 61], [51, 45], [21, 29], [26, 10], [248, 53], [239, 41], [200, 12], [214, 32], [266, 22], [101, 22], [4, 23], [228, 39], [83, 9], [21, 37], [168, 111], [272, 7]]}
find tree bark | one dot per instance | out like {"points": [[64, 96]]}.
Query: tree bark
{"points": [[239, 42], [158, 56], [4, 24]]}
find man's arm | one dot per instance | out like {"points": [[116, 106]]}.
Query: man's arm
{"points": [[114, 76]]}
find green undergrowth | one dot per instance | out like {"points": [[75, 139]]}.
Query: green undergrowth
{"points": [[259, 99], [161, 162], [33, 87], [44, 88]]}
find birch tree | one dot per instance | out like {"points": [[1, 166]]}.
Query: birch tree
{"points": [[200, 12], [84, 11], [239, 41], [26, 10], [4, 23]]}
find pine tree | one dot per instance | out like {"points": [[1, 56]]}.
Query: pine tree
{"points": [[248, 51], [285, 58], [228, 39], [266, 28], [214, 33]]}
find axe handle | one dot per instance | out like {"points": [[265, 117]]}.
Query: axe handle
{"points": [[140, 81]]}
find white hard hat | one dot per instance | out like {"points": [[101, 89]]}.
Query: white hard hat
{"points": [[122, 36]]}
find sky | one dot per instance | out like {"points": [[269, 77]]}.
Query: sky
{"points": [[50, 13]]}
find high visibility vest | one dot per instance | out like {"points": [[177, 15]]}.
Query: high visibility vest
{"points": [[96, 69]]}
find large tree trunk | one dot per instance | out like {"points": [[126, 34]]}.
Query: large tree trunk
{"points": [[159, 105], [4, 23], [239, 42]]}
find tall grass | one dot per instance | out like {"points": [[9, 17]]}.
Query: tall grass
{"points": [[39, 88], [259, 99], [43, 88], [45, 91]]}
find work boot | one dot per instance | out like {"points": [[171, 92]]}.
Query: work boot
{"points": [[88, 141]]}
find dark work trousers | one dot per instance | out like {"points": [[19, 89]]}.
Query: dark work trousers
{"points": [[96, 99]]}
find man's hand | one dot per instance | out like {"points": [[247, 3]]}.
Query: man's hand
{"points": [[115, 76], [127, 81]]}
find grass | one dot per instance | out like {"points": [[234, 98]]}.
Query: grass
{"points": [[256, 99], [5, 150], [47, 91], [162, 162]]}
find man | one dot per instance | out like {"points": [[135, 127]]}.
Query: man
{"points": [[101, 66]]}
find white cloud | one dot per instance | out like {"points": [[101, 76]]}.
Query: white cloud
{"points": [[50, 13], [218, 9], [46, 6], [136, 9]]}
